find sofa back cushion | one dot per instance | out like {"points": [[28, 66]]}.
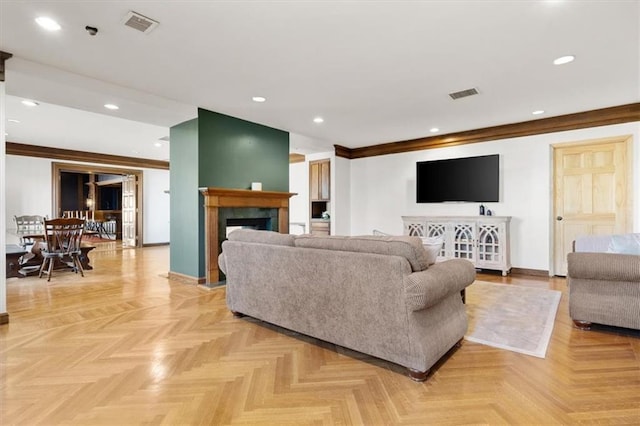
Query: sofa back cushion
{"points": [[408, 247], [261, 237]]}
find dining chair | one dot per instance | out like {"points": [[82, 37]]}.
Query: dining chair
{"points": [[28, 228], [63, 237]]}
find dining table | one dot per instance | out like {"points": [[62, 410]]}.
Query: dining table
{"points": [[24, 259]]}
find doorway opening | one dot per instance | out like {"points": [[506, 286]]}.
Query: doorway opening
{"points": [[108, 197]]}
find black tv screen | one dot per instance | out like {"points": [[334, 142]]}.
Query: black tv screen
{"points": [[471, 179]]}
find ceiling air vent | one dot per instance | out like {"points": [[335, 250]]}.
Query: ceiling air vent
{"points": [[139, 22], [464, 93]]}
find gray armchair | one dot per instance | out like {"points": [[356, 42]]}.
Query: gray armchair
{"points": [[604, 287]]}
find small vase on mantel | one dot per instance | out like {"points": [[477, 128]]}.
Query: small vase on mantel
{"points": [[481, 210]]}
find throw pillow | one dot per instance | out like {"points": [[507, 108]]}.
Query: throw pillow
{"points": [[625, 244], [432, 246]]}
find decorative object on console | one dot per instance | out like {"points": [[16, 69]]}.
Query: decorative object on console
{"points": [[483, 240], [481, 210], [489, 212], [256, 186]]}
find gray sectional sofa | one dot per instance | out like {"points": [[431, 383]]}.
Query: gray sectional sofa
{"points": [[376, 295]]}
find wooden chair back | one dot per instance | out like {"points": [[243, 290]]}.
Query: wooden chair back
{"points": [[64, 236], [28, 223]]}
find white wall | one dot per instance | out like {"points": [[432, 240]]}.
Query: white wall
{"points": [[28, 191], [156, 206], [299, 204], [382, 189], [341, 196]]}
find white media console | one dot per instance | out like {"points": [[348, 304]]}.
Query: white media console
{"points": [[482, 240]]}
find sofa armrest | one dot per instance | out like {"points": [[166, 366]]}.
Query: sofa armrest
{"points": [[604, 266], [222, 263], [426, 288]]}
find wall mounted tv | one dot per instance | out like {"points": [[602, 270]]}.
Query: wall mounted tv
{"points": [[471, 179]]}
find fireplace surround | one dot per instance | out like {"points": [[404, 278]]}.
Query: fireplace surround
{"points": [[222, 204]]}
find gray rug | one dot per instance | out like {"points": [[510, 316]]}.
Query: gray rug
{"points": [[515, 318]]}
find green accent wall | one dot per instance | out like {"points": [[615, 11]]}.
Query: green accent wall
{"points": [[187, 223], [217, 150], [235, 152]]}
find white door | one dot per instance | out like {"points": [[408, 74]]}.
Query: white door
{"points": [[591, 193], [129, 210]]}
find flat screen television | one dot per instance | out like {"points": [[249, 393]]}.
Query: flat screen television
{"points": [[471, 179]]}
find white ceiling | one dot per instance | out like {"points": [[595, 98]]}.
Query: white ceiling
{"points": [[376, 71]]}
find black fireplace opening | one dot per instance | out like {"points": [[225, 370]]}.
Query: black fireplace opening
{"points": [[231, 218]]}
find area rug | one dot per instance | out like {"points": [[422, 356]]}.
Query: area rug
{"points": [[515, 318]]}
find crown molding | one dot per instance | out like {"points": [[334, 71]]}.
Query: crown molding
{"points": [[581, 120], [83, 156]]}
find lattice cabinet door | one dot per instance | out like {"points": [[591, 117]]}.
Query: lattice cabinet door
{"points": [[415, 227], [464, 241], [489, 244], [493, 246]]}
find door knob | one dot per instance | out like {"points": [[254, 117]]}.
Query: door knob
{"points": [[559, 218]]}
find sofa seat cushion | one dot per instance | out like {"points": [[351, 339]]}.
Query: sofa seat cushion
{"points": [[408, 247], [261, 237]]}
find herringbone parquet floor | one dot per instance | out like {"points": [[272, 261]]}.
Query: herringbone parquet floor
{"points": [[126, 346]]}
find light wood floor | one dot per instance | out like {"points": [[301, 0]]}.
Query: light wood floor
{"points": [[125, 345]]}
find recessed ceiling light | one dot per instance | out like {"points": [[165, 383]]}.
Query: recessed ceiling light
{"points": [[564, 60], [29, 103], [48, 23], [158, 144], [538, 112], [258, 99], [13, 120], [434, 130], [111, 106], [318, 120]]}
